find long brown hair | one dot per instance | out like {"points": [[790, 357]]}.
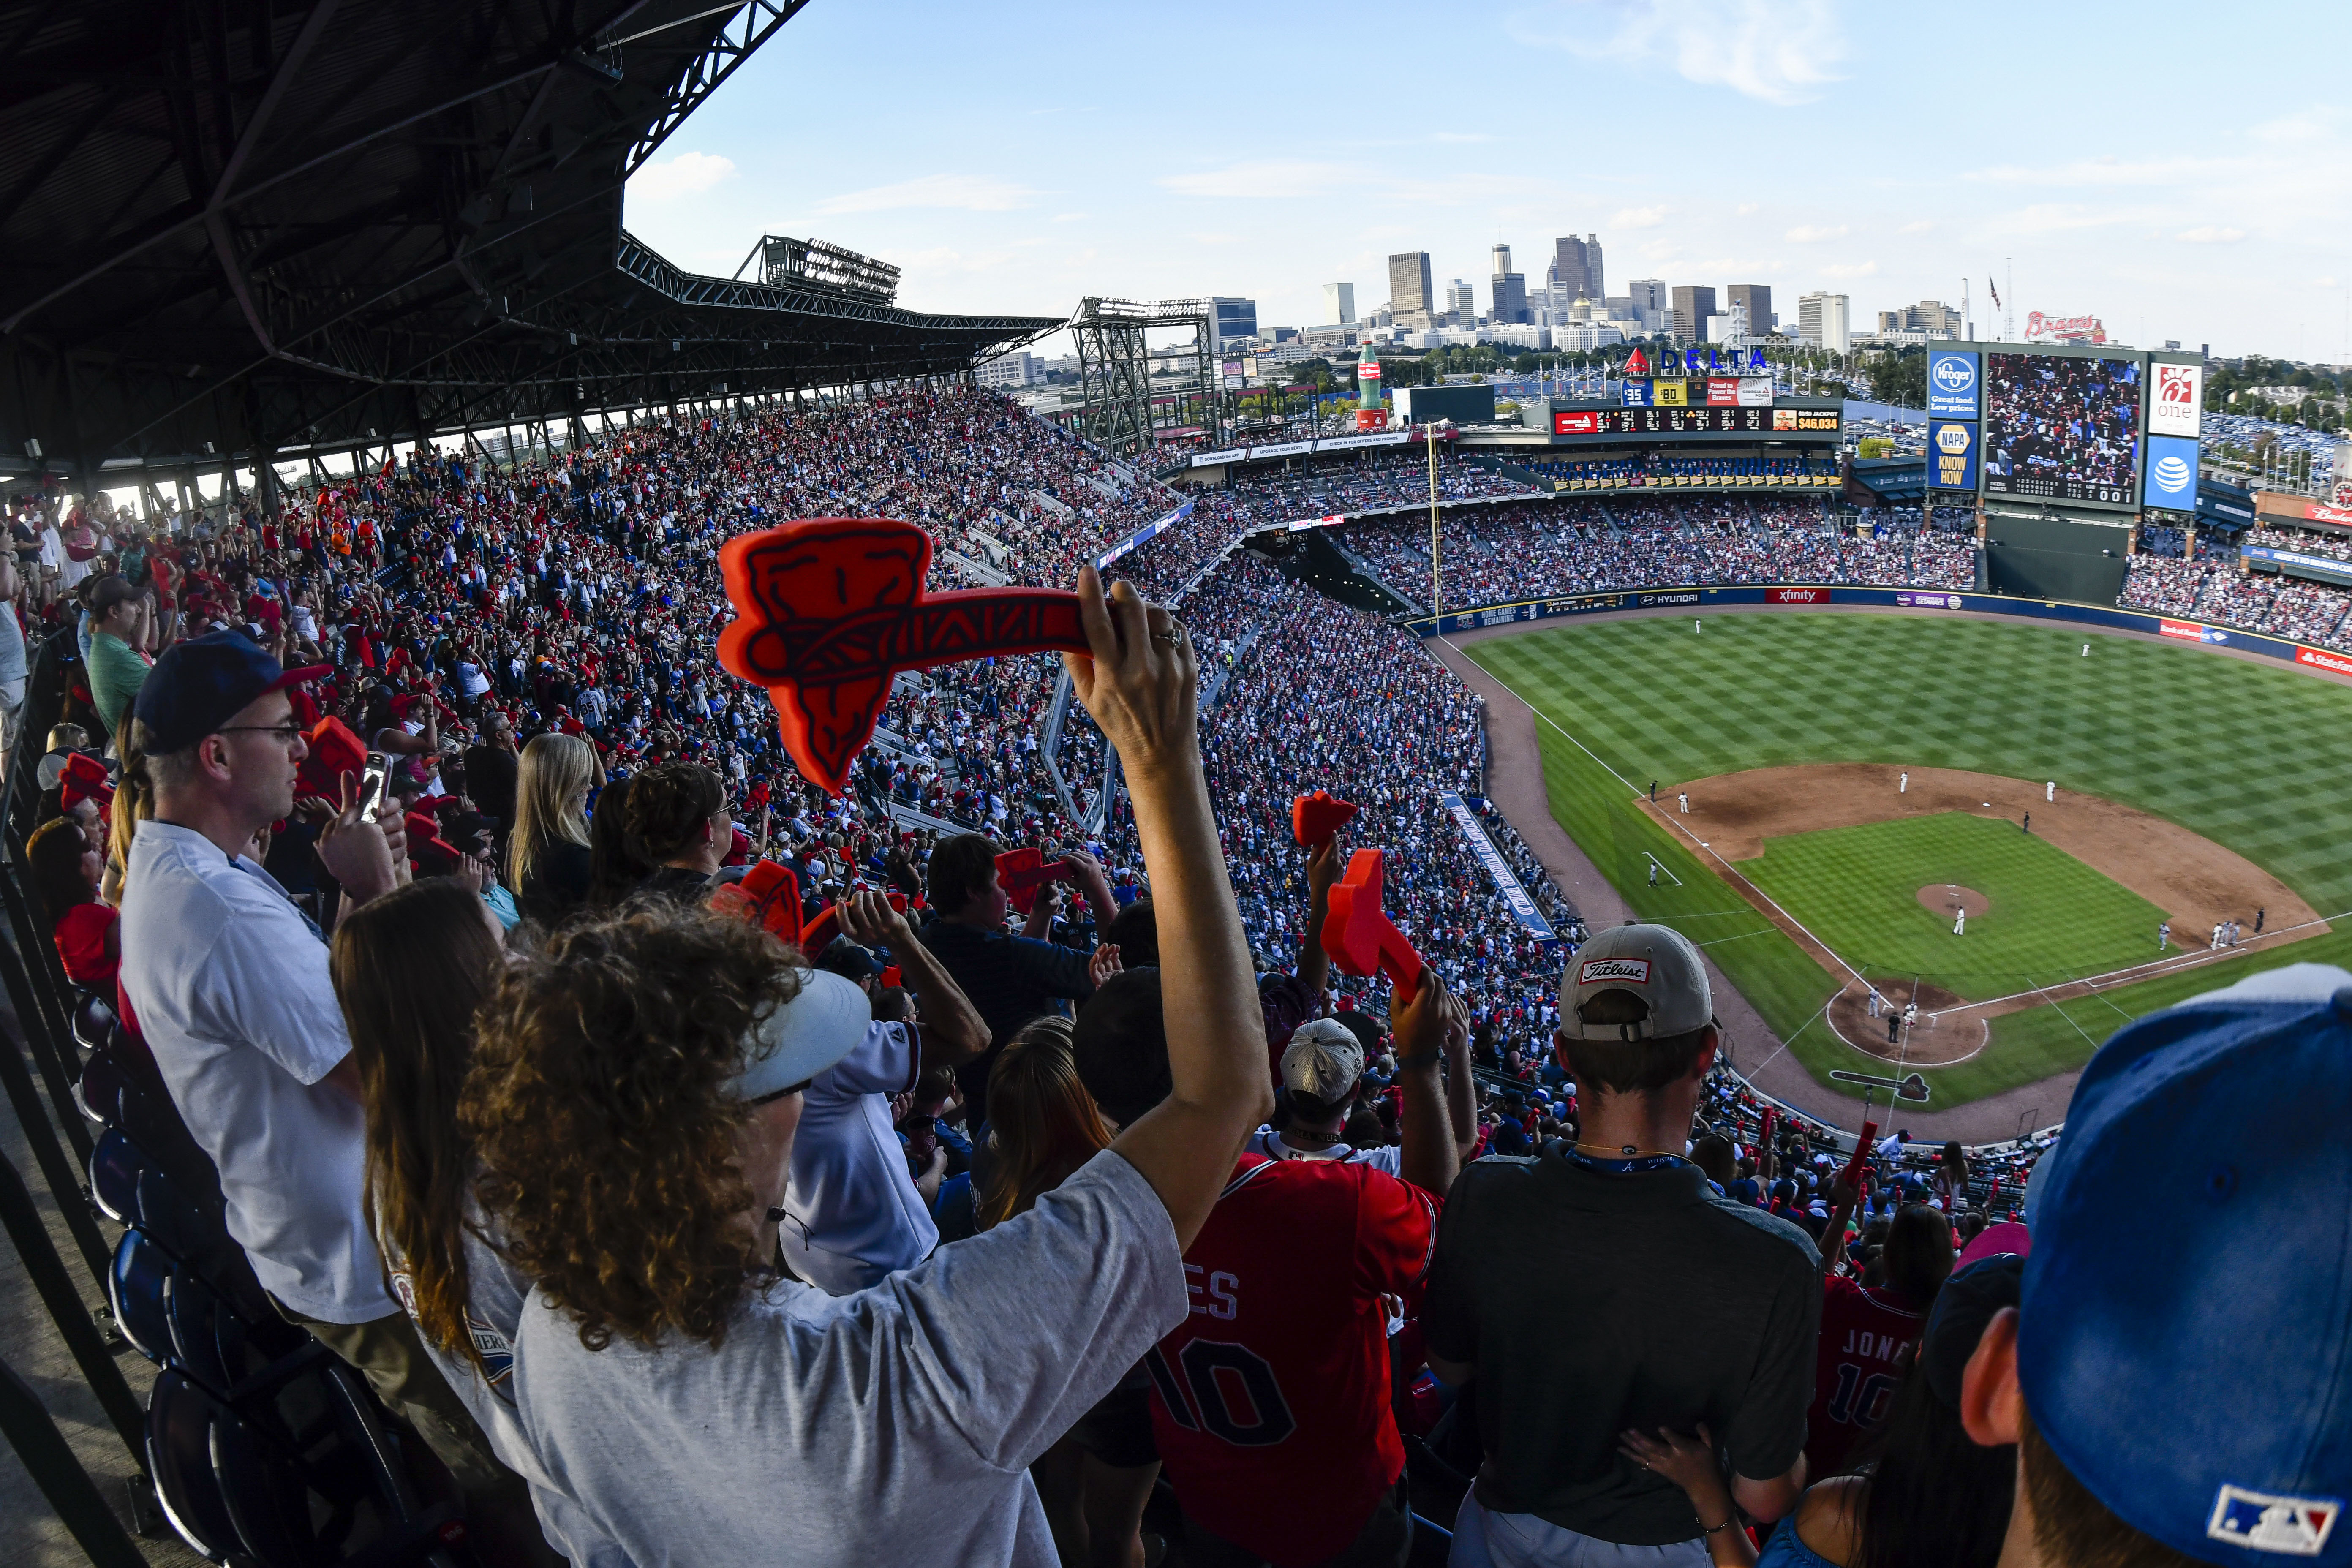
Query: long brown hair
{"points": [[1043, 1127], [553, 770], [599, 1106], [410, 970]]}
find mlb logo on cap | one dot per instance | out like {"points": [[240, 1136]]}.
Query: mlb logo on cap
{"points": [[2295, 1526]]}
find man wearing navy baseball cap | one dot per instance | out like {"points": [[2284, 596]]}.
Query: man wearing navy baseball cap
{"points": [[230, 986], [2182, 1393]]}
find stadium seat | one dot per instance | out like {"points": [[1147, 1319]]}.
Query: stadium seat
{"points": [[233, 1356], [93, 1020], [99, 1091], [115, 1167], [138, 1287], [197, 1239], [1432, 1544], [180, 1458], [318, 1477]]}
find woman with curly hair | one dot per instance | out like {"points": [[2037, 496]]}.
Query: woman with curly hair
{"points": [[634, 1101]]}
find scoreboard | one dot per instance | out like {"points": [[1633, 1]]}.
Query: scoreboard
{"points": [[1752, 421]]}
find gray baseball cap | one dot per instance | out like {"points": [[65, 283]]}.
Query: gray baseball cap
{"points": [[1324, 1058], [1655, 965]]}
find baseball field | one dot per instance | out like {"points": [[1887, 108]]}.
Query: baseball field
{"points": [[1834, 790]]}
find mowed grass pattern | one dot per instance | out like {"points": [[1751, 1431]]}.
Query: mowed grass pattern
{"points": [[2252, 757], [1856, 888]]}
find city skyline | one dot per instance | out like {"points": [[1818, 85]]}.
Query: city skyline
{"points": [[997, 178]]}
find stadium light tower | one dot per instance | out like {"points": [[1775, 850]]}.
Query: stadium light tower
{"points": [[1436, 605]]}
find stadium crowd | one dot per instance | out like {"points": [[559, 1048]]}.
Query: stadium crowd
{"points": [[1120, 1234], [2212, 587], [1585, 545], [1660, 469]]}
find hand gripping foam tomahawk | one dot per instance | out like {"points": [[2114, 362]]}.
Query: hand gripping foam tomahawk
{"points": [[1022, 872], [1360, 936], [1314, 818], [830, 609]]}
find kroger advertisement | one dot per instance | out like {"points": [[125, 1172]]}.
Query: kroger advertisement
{"points": [[1952, 385]]}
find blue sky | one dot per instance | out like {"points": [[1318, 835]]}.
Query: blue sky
{"points": [[2182, 172]]}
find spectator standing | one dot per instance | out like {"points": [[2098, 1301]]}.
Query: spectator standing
{"points": [[1865, 1329], [1322, 1077], [118, 662], [1686, 1307], [677, 820], [491, 766], [230, 985], [12, 664], [67, 865], [2138, 1446], [547, 859], [850, 1215], [410, 969], [1095, 1481], [1011, 979], [895, 1426], [1927, 1495], [1289, 1282]]}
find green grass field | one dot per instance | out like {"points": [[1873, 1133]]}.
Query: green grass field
{"points": [[2251, 757], [1856, 888]]}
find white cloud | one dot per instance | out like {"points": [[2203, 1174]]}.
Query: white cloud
{"points": [[2209, 234], [1779, 53], [1922, 226], [1852, 269], [958, 193], [2325, 282], [1068, 217], [1744, 208], [681, 175], [1809, 234], [2060, 217], [1462, 136], [1282, 178], [1639, 217]]}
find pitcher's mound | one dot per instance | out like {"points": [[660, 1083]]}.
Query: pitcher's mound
{"points": [[1933, 1041], [1944, 898]]}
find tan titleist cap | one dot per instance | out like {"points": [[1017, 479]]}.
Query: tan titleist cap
{"points": [[1653, 964]]}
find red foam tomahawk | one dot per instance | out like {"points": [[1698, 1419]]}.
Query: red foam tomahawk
{"points": [[830, 609], [1021, 873], [1314, 818], [1359, 934]]}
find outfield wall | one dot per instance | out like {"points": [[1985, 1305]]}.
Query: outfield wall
{"points": [[1698, 598]]}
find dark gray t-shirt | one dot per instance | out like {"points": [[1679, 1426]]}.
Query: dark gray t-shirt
{"points": [[1591, 1302]]}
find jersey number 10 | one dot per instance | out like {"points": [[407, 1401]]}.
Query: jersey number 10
{"points": [[1863, 1408], [1215, 1373]]}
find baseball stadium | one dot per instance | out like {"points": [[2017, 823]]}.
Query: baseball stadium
{"points": [[648, 917]]}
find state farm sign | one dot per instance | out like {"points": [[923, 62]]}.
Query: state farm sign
{"points": [[2335, 661]]}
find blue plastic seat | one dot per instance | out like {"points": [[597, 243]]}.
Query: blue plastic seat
{"points": [[180, 1458], [324, 1482], [137, 1286], [233, 1356], [93, 1020], [115, 1166], [99, 1091]]}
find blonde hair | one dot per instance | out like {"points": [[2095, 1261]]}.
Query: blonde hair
{"points": [[548, 781]]}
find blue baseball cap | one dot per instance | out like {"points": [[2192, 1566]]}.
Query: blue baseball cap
{"points": [[199, 685], [2185, 1338]]}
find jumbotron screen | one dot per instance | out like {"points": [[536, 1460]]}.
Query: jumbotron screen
{"points": [[2061, 427]]}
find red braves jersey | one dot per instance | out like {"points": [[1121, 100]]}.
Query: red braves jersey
{"points": [[1270, 1400], [1861, 1330]]}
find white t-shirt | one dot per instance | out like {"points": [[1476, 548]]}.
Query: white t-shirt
{"points": [[853, 1215], [894, 1426], [1388, 1157], [231, 988]]}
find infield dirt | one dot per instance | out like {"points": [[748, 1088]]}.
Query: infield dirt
{"points": [[2195, 880]]}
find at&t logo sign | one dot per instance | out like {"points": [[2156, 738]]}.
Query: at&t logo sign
{"points": [[2171, 474]]}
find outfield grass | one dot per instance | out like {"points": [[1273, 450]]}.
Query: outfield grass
{"points": [[2251, 757], [1856, 888]]}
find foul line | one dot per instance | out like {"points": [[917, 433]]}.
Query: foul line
{"points": [[1686, 833], [2155, 969]]}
